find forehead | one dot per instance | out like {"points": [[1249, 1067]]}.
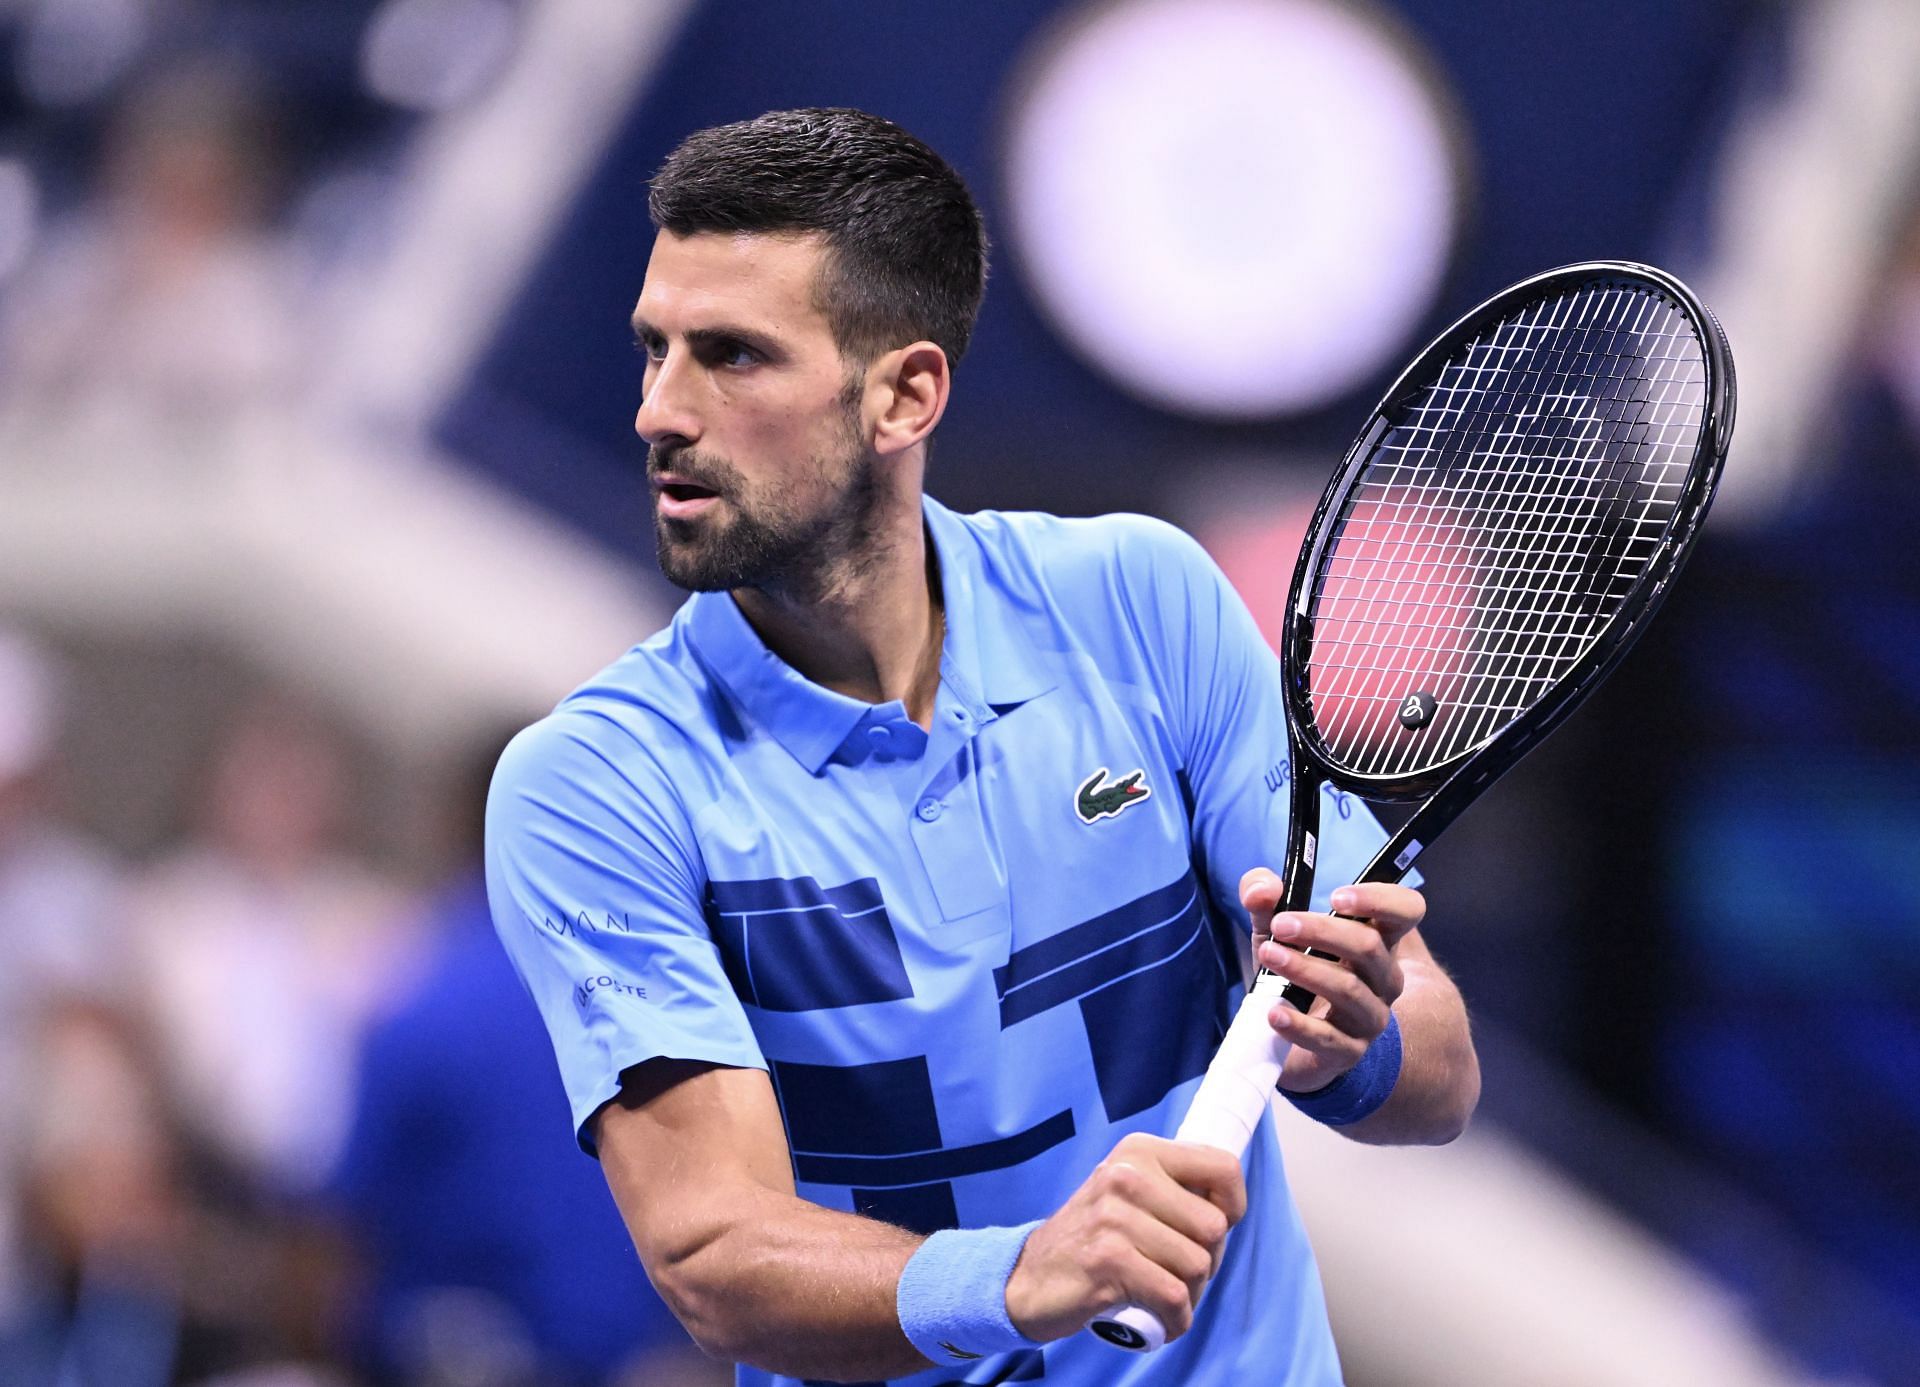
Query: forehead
{"points": [[767, 279]]}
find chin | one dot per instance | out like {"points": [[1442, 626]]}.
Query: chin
{"points": [[686, 563]]}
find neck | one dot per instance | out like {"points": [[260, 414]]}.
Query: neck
{"points": [[874, 628]]}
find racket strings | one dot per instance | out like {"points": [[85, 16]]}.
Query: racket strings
{"points": [[1499, 523], [1541, 541], [1542, 550]]}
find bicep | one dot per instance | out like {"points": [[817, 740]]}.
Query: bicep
{"points": [[688, 1149]]}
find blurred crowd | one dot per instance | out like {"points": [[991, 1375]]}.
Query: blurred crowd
{"points": [[270, 1117], [274, 1111]]}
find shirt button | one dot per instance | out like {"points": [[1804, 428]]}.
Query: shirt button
{"points": [[879, 734], [929, 810]]}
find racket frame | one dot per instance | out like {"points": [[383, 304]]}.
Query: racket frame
{"points": [[1454, 784]]}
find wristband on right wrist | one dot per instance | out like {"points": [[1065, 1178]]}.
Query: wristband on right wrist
{"points": [[952, 1298]]}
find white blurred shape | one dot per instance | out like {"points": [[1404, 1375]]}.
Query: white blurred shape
{"points": [[479, 200], [19, 215], [1811, 196], [434, 55], [74, 50], [1234, 207], [1480, 1265]]}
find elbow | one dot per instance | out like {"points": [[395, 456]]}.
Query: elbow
{"points": [[1453, 1123], [701, 1305], [688, 1278], [1456, 1114]]}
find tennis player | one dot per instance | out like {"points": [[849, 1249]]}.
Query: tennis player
{"points": [[886, 907]]}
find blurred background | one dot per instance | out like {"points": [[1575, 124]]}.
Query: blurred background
{"points": [[317, 479]]}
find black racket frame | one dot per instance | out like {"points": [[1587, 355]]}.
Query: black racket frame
{"points": [[1450, 787]]}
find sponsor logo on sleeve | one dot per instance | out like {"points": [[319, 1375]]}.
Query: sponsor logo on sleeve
{"points": [[605, 983]]}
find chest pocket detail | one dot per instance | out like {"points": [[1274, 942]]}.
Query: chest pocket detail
{"points": [[792, 945]]}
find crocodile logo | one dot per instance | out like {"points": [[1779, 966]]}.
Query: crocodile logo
{"points": [[1097, 800]]}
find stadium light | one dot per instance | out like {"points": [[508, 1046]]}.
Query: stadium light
{"points": [[1233, 208]]}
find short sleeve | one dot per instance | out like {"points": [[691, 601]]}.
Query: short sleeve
{"points": [[1219, 684], [595, 888]]}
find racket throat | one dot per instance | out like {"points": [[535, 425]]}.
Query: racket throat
{"points": [[1303, 853]]}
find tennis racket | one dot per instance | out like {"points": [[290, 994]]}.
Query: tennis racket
{"points": [[1505, 527]]}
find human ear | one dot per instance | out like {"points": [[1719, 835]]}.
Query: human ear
{"points": [[914, 382]]}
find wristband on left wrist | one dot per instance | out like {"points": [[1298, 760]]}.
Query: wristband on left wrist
{"points": [[1360, 1092]]}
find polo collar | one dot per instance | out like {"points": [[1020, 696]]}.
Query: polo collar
{"points": [[809, 720], [990, 672], [988, 652]]}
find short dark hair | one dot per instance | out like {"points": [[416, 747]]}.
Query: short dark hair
{"points": [[906, 248]]}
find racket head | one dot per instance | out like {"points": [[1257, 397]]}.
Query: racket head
{"points": [[1513, 513]]}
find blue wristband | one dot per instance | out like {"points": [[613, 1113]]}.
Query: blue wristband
{"points": [[952, 1299], [1362, 1089]]}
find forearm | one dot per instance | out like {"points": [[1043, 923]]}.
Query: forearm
{"points": [[698, 1164], [793, 1288], [1439, 1084], [696, 1161]]}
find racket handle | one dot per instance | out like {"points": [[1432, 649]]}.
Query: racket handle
{"points": [[1225, 1113]]}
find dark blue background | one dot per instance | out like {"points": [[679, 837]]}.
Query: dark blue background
{"points": [[1574, 113]]}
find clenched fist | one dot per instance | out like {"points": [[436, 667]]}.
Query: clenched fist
{"points": [[1146, 1228]]}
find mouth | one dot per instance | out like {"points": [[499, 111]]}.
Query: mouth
{"points": [[679, 499]]}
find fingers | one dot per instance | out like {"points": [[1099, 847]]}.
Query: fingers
{"points": [[1361, 969], [1177, 1201], [1134, 1278], [1374, 918], [1194, 1192], [1321, 1051], [1357, 982], [1170, 1242], [1210, 1173], [1393, 910], [1181, 1259], [1147, 1227], [1260, 893], [1346, 1001]]}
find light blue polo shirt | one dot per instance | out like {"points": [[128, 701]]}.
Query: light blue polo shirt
{"points": [[971, 958]]}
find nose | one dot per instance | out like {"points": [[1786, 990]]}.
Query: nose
{"points": [[666, 416]]}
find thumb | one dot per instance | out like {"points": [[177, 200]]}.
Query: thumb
{"points": [[1260, 892]]}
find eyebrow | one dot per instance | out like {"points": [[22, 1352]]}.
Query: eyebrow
{"points": [[714, 336]]}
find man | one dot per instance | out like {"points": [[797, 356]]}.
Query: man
{"points": [[898, 885]]}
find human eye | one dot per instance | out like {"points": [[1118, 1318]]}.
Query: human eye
{"points": [[733, 353], [651, 345]]}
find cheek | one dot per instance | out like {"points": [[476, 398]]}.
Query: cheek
{"points": [[800, 447]]}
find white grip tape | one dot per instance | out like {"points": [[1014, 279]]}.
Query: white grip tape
{"points": [[1225, 1113], [1242, 1077]]}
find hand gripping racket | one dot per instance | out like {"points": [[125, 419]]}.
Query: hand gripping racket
{"points": [[1504, 528]]}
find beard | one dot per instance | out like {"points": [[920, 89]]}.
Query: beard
{"points": [[764, 541]]}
